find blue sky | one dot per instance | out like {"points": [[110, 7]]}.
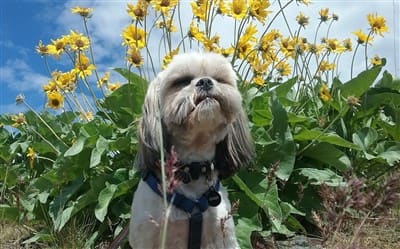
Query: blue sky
{"points": [[24, 22]]}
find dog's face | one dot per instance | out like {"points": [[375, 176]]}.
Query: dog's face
{"points": [[201, 114]]}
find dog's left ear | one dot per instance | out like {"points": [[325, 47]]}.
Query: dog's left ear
{"points": [[237, 149]]}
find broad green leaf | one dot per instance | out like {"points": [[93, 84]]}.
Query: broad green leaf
{"points": [[332, 138], [42, 236], [125, 103], [247, 191], [244, 228], [283, 89], [322, 176], [285, 150], [328, 154], [97, 152], [76, 148], [365, 138], [261, 115], [360, 84], [9, 213], [57, 206], [387, 81], [105, 197]]}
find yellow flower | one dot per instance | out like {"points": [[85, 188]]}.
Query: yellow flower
{"points": [[258, 80], [211, 44], [83, 67], [134, 57], [377, 24], [324, 93], [305, 2], [288, 46], [376, 60], [258, 9], [238, 9], [77, 41], [315, 48], [82, 11], [134, 37], [55, 100], [50, 87], [65, 81], [222, 7], [103, 80], [57, 47], [199, 9], [302, 20], [18, 120], [86, 116], [195, 33], [168, 58], [167, 24], [283, 68], [227, 51], [326, 66], [362, 37], [163, 5], [42, 49], [138, 11], [333, 45], [324, 15], [113, 86], [31, 155], [259, 66], [347, 44]]}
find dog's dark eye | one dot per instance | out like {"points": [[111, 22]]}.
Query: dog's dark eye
{"points": [[182, 81], [221, 80]]}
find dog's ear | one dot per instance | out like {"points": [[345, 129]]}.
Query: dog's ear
{"points": [[148, 154], [237, 148]]}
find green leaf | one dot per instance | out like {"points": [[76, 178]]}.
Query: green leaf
{"points": [[76, 148], [332, 138], [283, 89], [328, 154], [360, 84], [97, 152], [388, 82], [57, 206], [244, 228], [365, 138], [9, 213], [247, 191], [322, 176], [105, 197], [260, 114], [126, 102], [285, 150]]}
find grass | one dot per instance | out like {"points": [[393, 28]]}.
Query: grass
{"points": [[382, 233]]}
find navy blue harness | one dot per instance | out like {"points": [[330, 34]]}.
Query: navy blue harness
{"points": [[188, 205]]}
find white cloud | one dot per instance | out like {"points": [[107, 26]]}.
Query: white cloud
{"points": [[12, 108], [17, 75]]}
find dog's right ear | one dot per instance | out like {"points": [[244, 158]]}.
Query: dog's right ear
{"points": [[148, 154]]}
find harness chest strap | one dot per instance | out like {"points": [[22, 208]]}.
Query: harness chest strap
{"points": [[180, 201]]}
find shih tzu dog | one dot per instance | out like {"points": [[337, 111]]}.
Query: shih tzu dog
{"points": [[195, 109]]}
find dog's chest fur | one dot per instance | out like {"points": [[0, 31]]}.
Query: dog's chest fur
{"points": [[148, 217]]}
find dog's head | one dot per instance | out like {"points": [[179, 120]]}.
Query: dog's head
{"points": [[195, 107]]}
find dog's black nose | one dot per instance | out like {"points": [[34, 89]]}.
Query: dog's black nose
{"points": [[205, 84]]}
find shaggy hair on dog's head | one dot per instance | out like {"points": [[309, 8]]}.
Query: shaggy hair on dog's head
{"points": [[200, 109]]}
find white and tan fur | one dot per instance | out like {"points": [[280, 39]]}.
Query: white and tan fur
{"points": [[201, 125]]}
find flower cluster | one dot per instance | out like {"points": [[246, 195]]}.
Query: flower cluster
{"points": [[259, 53]]}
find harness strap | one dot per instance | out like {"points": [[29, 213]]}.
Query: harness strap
{"points": [[182, 202]]}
